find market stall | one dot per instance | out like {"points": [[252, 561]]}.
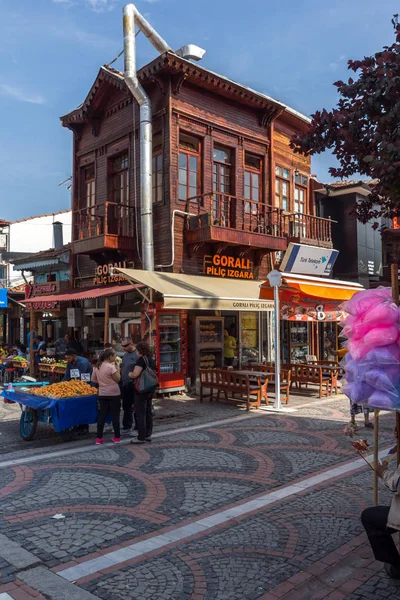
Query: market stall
{"points": [[65, 405]]}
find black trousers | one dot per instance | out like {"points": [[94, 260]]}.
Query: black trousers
{"points": [[374, 520], [108, 405], [144, 414], [127, 405]]}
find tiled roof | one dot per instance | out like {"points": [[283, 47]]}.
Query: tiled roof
{"points": [[351, 182], [43, 255], [53, 214]]}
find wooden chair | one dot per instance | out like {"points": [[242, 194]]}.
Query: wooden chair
{"points": [[306, 374], [231, 384]]}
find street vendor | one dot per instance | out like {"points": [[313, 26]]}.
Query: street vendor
{"points": [[78, 367], [381, 522]]}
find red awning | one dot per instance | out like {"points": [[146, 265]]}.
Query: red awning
{"points": [[85, 294]]}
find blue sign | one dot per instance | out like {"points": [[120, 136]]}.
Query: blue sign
{"points": [[3, 298], [308, 260]]}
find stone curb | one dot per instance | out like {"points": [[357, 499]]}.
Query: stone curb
{"points": [[52, 586], [17, 556]]}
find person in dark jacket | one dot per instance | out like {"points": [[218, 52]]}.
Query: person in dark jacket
{"points": [[127, 385], [143, 404], [79, 364]]}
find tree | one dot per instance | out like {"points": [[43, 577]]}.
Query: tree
{"points": [[363, 132]]}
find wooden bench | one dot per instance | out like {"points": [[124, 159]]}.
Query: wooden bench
{"points": [[306, 374], [231, 384], [332, 369], [285, 380]]}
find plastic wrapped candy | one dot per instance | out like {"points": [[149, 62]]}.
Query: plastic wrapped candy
{"points": [[383, 355], [383, 400], [372, 365], [358, 391], [363, 301], [381, 336]]}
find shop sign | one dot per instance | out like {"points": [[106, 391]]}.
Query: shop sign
{"points": [[3, 298], [41, 289], [44, 305], [105, 276], [298, 308], [308, 260], [228, 267]]}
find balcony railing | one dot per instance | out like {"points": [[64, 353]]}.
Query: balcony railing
{"points": [[110, 218], [222, 210]]}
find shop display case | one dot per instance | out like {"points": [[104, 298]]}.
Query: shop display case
{"points": [[171, 349], [299, 345], [249, 337], [209, 344]]}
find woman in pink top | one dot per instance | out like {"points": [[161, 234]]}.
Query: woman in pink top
{"points": [[107, 375]]}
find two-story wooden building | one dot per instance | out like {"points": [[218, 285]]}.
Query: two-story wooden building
{"points": [[228, 195]]}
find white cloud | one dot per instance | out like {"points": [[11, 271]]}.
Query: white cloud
{"points": [[20, 95], [98, 6]]}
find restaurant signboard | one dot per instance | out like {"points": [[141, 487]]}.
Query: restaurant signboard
{"points": [[230, 267]]}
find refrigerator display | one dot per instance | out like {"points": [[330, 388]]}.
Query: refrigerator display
{"points": [[171, 349], [299, 342]]}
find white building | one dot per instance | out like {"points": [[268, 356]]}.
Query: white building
{"points": [[35, 234]]}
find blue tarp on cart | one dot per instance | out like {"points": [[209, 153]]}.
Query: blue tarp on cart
{"points": [[65, 413]]}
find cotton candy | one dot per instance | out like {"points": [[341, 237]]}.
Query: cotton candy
{"points": [[372, 364]]}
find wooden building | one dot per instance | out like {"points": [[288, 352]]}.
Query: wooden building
{"points": [[229, 194], [220, 152]]}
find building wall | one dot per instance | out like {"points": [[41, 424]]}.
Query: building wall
{"points": [[36, 234]]}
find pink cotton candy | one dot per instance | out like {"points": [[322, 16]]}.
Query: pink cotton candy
{"points": [[365, 300], [358, 349], [381, 336]]}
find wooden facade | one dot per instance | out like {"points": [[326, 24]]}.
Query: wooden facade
{"points": [[220, 153]]}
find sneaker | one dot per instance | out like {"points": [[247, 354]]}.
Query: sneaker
{"points": [[132, 433], [137, 441], [126, 429], [99, 441], [148, 439], [392, 571], [116, 440]]}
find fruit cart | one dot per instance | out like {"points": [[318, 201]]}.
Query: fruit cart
{"points": [[65, 413]]}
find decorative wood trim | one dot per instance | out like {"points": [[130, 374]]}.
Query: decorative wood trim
{"points": [[194, 249], [270, 114], [177, 82], [191, 118]]}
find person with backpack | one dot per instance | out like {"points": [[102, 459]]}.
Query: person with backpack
{"points": [[145, 380], [107, 375]]}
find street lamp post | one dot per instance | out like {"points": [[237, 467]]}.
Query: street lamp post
{"points": [[275, 280]]}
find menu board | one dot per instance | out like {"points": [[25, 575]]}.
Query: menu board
{"points": [[249, 330]]}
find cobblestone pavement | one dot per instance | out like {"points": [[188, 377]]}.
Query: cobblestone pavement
{"points": [[309, 544]]}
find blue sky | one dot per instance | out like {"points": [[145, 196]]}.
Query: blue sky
{"points": [[51, 51]]}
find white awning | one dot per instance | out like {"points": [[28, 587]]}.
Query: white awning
{"points": [[201, 293]]}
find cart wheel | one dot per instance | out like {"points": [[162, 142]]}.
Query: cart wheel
{"points": [[67, 434], [28, 424]]}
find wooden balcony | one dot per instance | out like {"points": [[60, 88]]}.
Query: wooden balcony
{"points": [[104, 226], [308, 229], [221, 218]]}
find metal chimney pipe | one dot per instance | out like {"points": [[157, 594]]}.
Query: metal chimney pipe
{"points": [[58, 235], [131, 16]]}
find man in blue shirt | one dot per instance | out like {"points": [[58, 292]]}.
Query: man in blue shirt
{"points": [[77, 366]]}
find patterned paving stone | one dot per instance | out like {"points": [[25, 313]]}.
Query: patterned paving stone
{"points": [[7, 476], [74, 487], [202, 496], [262, 437], [76, 535], [7, 572], [379, 587], [159, 579], [101, 456], [197, 459]]}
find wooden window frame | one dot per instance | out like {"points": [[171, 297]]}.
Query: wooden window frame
{"points": [[113, 174], [252, 170], [282, 179], [189, 153], [301, 185], [157, 188], [85, 183]]}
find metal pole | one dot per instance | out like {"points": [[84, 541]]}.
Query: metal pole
{"points": [[277, 404], [376, 454]]}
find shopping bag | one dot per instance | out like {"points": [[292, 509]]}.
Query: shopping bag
{"points": [[147, 380]]}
